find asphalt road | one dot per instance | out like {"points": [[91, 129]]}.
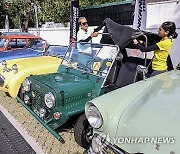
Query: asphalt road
{"points": [[39, 134]]}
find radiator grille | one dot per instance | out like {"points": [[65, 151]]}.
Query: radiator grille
{"points": [[38, 103]]}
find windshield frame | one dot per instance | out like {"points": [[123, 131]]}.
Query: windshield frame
{"points": [[97, 45]]}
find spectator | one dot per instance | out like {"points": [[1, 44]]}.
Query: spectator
{"points": [[85, 34]]}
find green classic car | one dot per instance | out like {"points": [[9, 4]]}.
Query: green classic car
{"points": [[54, 98], [140, 118]]}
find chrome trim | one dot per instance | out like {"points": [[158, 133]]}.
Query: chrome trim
{"points": [[2, 80]]}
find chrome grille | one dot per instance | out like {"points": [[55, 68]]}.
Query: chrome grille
{"points": [[38, 103], [37, 99]]}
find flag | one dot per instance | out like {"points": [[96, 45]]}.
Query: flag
{"points": [[74, 16], [7, 23], [140, 14], [139, 23]]}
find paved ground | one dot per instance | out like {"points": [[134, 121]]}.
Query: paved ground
{"points": [[44, 139]]}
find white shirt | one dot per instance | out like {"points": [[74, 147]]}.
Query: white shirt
{"points": [[82, 35]]}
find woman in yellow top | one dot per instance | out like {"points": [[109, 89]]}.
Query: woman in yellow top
{"points": [[167, 31]]}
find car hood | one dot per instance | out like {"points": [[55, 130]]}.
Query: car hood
{"points": [[32, 62], [19, 53], [144, 109], [65, 82]]}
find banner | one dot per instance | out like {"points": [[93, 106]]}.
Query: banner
{"points": [[140, 14], [74, 16], [7, 23], [139, 23]]}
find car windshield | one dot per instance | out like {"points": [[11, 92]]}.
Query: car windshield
{"points": [[91, 58], [37, 44], [3, 42], [56, 50]]}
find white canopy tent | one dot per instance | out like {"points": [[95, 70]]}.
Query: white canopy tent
{"points": [[159, 12]]}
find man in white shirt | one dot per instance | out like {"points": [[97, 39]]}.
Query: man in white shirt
{"points": [[85, 56], [85, 34]]}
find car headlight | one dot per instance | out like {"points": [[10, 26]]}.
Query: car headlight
{"points": [[94, 117], [26, 85], [49, 100], [4, 64], [14, 69], [27, 99]]}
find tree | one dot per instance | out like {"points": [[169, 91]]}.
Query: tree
{"points": [[56, 11]]}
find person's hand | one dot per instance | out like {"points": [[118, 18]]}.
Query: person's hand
{"points": [[95, 34], [135, 42]]}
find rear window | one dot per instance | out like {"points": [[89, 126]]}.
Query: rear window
{"points": [[17, 43]]}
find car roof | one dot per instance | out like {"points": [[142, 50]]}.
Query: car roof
{"points": [[123, 36], [20, 36], [17, 33]]}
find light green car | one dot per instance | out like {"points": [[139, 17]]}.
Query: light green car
{"points": [[142, 118]]}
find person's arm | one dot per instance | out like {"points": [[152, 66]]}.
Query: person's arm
{"points": [[86, 40], [94, 34], [145, 49]]}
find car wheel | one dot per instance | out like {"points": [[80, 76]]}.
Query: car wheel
{"points": [[83, 132]]}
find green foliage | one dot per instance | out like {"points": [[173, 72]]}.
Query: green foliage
{"points": [[49, 10]]}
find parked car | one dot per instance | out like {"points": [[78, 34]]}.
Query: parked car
{"points": [[17, 33], [9, 41], [35, 48], [13, 72], [140, 118], [87, 71]]}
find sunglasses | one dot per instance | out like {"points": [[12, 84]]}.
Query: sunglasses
{"points": [[84, 23]]}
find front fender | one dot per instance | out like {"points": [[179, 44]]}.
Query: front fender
{"points": [[17, 79]]}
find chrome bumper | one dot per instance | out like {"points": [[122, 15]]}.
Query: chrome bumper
{"points": [[103, 147]]}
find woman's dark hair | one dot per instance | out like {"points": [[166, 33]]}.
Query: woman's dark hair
{"points": [[171, 28]]}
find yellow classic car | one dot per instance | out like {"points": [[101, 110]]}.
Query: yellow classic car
{"points": [[13, 72]]}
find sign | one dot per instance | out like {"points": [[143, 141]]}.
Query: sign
{"points": [[74, 16], [140, 14], [7, 23]]}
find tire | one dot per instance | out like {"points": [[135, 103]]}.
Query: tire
{"points": [[83, 132]]}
